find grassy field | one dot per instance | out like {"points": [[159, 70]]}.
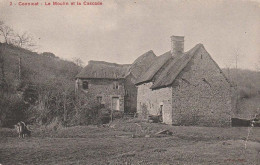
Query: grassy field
{"points": [[131, 142]]}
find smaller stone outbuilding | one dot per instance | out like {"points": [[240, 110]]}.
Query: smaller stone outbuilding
{"points": [[185, 88], [107, 84]]}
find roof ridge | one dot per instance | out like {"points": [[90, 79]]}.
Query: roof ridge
{"points": [[93, 62], [102, 69], [143, 55]]}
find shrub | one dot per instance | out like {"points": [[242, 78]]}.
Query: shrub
{"points": [[84, 114], [247, 92], [12, 110]]}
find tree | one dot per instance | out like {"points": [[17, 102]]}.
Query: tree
{"points": [[78, 61], [237, 53], [6, 32], [2, 69], [24, 40], [49, 54], [258, 65]]}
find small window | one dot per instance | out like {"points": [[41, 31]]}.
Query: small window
{"points": [[203, 79], [99, 99], [85, 85], [116, 85]]}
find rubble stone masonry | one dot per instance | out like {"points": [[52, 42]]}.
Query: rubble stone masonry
{"points": [[103, 88], [149, 102], [201, 94]]}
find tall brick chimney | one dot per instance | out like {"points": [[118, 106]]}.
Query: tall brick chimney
{"points": [[177, 45]]}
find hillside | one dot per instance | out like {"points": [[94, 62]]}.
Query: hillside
{"points": [[245, 79], [248, 88], [36, 68], [42, 81]]}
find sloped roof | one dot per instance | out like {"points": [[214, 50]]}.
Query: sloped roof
{"points": [[165, 68], [154, 67], [174, 67], [142, 63], [101, 69]]}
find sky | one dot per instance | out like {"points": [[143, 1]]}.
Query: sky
{"points": [[119, 31]]}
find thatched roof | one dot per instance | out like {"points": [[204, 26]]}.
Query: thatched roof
{"points": [[154, 67], [165, 68], [174, 67], [101, 69], [141, 64], [162, 70]]}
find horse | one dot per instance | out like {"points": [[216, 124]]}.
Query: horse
{"points": [[22, 129]]}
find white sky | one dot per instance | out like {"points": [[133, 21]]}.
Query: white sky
{"points": [[121, 30]]}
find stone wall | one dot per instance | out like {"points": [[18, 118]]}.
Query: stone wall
{"points": [[103, 88], [201, 94], [149, 101]]}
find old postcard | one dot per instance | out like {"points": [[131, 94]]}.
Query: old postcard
{"points": [[130, 82]]}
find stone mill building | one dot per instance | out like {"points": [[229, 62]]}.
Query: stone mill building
{"points": [[184, 88]]}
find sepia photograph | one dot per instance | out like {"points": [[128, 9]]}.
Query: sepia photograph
{"points": [[130, 82]]}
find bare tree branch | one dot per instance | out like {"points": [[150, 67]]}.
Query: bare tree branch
{"points": [[6, 32], [24, 40], [78, 61]]}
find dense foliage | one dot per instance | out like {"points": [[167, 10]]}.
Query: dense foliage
{"points": [[247, 82], [39, 88]]}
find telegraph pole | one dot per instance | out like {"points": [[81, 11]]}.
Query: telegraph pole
{"points": [[20, 70], [236, 82]]}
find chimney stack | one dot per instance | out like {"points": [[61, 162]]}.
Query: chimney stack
{"points": [[177, 45]]}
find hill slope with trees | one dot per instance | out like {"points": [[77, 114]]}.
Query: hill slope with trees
{"points": [[32, 82], [247, 83]]}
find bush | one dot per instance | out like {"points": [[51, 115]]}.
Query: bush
{"points": [[55, 124], [12, 110], [84, 114], [247, 92]]}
